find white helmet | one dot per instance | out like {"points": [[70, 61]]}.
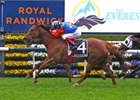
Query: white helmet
{"points": [[56, 24]]}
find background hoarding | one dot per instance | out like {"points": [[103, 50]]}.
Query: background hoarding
{"points": [[19, 16], [104, 15]]}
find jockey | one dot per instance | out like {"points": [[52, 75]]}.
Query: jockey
{"points": [[68, 32]]}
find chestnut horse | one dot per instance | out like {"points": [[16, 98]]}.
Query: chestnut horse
{"points": [[57, 52]]}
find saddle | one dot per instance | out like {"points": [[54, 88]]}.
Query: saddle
{"points": [[79, 50], [72, 43], [73, 46]]}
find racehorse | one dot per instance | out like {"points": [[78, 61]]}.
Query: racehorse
{"points": [[132, 41], [57, 51]]}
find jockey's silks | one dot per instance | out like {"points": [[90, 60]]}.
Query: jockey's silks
{"points": [[68, 28]]}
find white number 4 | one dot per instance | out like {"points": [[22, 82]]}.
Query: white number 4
{"points": [[82, 47]]}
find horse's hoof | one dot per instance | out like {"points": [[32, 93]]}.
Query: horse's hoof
{"points": [[122, 78], [136, 76], [27, 76], [35, 81], [76, 84], [77, 76], [103, 77]]}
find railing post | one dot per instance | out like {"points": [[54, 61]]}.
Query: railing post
{"points": [[2, 39], [85, 65], [33, 57], [2, 15]]}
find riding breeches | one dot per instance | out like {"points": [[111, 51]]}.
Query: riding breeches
{"points": [[76, 34]]}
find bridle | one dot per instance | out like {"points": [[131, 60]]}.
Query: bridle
{"points": [[31, 40], [128, 42]]}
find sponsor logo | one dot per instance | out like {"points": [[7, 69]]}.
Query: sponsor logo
{"points": [[87, 13]]}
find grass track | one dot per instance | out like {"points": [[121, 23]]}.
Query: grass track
{"points": [[60, 89]]}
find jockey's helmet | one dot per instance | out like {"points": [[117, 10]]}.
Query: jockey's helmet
{"points": [[56, 24]]}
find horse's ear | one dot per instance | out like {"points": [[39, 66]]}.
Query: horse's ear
{"points": [[46, 27], [38, 24]]}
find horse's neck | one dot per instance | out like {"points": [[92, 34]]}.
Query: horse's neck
{"points": [[53, 45], [111, 45], [122, 49]]}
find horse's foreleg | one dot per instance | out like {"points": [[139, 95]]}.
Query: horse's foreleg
{"points": [[36, 67], [108, 70], [44, 64], [31, 72], [68, 70], [126, 67], [130, 74], [105, 65]]}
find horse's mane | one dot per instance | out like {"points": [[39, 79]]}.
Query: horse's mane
{"points": [[46, 27], [108, 44]]}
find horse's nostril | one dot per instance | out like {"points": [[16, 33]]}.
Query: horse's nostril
{"points": [[26, 40]]}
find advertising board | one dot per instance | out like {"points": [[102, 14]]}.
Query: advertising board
{"points": [[19, 16], [104, 15]]}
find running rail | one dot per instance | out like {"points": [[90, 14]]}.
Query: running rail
{"points": [[23, 49], [44, 50], [6, 49]]}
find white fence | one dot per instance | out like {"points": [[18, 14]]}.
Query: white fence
{"points": [[6, 49]]}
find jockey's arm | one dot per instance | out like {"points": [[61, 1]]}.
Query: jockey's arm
{"points": [[58, 32]]}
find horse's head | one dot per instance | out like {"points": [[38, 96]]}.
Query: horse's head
{"points": [[34, 33], [122, 48], [126, 44]]}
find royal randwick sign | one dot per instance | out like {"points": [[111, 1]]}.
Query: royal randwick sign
{"points": [[19, 16]]}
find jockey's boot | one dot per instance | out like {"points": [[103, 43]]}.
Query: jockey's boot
{"points": [[73, 45]]}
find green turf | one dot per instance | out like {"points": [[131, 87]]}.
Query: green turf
{"points": [[60, 89], [107, 37]]}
